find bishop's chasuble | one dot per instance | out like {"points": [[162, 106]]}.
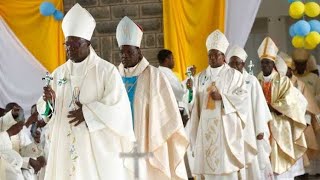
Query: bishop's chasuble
{"points": [[157, 122], [217, 127], [287, 140], [90, 150]]}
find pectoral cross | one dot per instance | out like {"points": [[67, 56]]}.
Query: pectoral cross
{"points": [[210, 103], [136, 155], [190, 91], [47, 79], [250, 66], [75, 98], [189, 73]]}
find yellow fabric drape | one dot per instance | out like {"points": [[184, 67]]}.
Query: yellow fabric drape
{"points": [[41, 35], [186, 26]]}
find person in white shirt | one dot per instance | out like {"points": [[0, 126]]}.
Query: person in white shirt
{"points": [[21, 142], [10, 160]]}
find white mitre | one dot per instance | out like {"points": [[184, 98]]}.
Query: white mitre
{"points": [[281, 65], [268, 49], [78, 22], [128, 33], [238, 52], [217, 40]]}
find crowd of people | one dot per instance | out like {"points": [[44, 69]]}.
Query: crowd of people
{"points": [[220, 123]]}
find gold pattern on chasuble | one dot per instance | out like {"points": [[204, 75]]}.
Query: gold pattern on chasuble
{"points": [[285, 133], [212, 135], [211, 103]]}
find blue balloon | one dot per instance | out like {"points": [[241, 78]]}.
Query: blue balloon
{"points": [[302, 28], [291, 31], [58, 15], [47, 8], [315, 25], [291, 1]]}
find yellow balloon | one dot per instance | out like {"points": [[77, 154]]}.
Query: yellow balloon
{"points": [[312, 9], [296, 9], [313, 38], [310, 46], [298, 41]]}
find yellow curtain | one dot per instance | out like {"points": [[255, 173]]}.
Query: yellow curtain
{"points": [[187, 24], [41, 35]]}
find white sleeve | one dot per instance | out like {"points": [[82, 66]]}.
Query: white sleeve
{"points": [[7, 121], [5, 142]]}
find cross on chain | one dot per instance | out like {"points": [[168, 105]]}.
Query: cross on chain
{"points": [[250, 66], [136, 155], [47, 79]]}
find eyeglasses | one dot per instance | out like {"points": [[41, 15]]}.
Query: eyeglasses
{"points": [[128, 53], [73, 44]]}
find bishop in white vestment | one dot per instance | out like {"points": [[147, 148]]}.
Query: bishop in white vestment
{"points": [[87, 109], [287, 127], [157, 122], [219, 116], [10, 160], [256, 132]]}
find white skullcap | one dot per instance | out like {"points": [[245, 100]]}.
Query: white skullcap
{"points": [[238, 52], [128, 33], [268, 49], [217, 40], [78, 22], [281, 66]]}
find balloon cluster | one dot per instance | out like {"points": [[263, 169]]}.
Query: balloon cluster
{"points": [[48, 9], [305, 34]]}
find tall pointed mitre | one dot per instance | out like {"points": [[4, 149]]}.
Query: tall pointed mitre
{"points": [[312, 63], [217, 40], [300, 55], [281, 65], [78, 22], [287, 59], [238, 52], [268, 49], [128, 33]]}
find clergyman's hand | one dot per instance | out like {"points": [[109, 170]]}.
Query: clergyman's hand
{"points": [[76, 115], [260, 136], [15, 129], [215, 95], [41, 124], [42, 161], [35, 164], [189, 84], [48, 93], [32, 119]]}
